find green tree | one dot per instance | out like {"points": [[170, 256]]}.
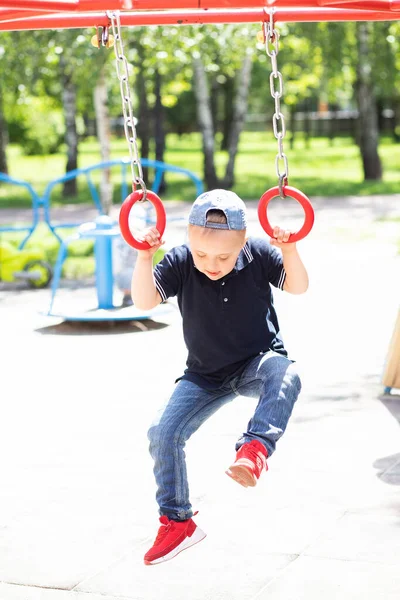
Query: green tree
{"points": [[222, 63], [68, 60], [385, 63], [3, 123]]}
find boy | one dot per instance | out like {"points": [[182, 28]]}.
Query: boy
{"points": [[222, 282]]}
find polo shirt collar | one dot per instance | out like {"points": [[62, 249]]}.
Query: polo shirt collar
{"points": [[245, 258]]}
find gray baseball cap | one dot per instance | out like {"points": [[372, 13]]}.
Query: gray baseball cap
{"points": [[228, 202]]}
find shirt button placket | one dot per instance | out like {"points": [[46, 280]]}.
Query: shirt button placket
{"points": [[225, 299]]}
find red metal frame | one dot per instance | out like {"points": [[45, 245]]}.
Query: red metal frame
{"points": [[65, 14]]}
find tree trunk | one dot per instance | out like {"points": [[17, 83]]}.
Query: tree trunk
{"points": [[307, 123], [89, 126], [396, 121], [368, 132], [205, 121], [159, 131], [71, 134], [143, 126], [229, 91], [3, 137], [239, 117], [215, 88], [103, 134], [332, 125], [292, 125], [379, 116]]}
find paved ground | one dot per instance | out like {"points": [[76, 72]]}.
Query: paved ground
{"points": [[77, 509]]}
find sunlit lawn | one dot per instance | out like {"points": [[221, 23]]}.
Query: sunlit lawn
{"points": [[321, 169]]}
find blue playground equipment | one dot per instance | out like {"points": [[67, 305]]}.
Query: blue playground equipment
{"points": [[103, 230], [36, 204], [159, 169], [41, 205]]}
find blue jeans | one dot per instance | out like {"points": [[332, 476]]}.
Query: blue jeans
{"points": [[270, 377]]}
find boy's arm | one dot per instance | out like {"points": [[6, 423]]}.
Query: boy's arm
{"points": [[143, 288], [296, 281], [144, 292]]}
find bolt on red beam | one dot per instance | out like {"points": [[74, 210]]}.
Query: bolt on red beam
{"points": [[78, 20]]}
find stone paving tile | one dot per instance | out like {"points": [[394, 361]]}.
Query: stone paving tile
{"points": [[202, 574], [362, 538], [73, 446], [256, 521], [23, 592], [65, 555], [310, 578]]}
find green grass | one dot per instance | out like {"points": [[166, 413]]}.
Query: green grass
{"points": [[80, 261], [321, 169]]}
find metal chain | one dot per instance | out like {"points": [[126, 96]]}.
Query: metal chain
{"points": [[121, 64], [271, 38]]}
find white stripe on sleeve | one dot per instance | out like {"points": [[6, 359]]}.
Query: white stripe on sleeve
{"points": [[160, 289], [282, 279]]}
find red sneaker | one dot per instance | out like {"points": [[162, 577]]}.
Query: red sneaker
{"points": [[251, 459], [172, 538]]}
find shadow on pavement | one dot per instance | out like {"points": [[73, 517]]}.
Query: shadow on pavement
{"points": [[389, 466], [100, 327], [392, 403]]}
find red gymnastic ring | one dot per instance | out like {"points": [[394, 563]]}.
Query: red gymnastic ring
{"points": [[292, 193], [124, 217]]}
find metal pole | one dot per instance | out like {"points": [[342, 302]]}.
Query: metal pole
{"points": [[103, 258]]}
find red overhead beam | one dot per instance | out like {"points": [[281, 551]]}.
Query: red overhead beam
{"points": [[62, 14], [93, 5], [76, 20]]}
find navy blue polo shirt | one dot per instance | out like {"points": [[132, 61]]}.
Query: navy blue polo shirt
{"points": [[226, 323]]}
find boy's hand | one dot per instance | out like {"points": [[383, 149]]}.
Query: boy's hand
{"points": [[153, 238], [280, 239]]}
